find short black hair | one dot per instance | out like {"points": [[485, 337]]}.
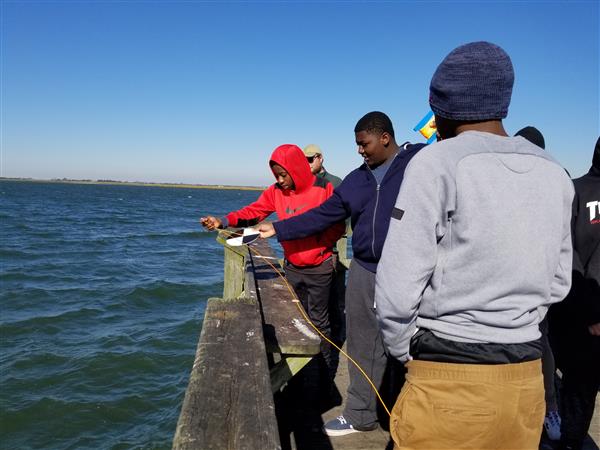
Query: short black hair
{"points": [[533, 135], [375, 121]]}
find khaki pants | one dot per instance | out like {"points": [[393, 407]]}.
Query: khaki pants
{"points": [[469, 406]]}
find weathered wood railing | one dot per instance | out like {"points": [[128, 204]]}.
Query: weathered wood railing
{"points": [[253, 341]]}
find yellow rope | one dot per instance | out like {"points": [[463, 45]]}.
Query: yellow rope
{"points": [[305, 315]]}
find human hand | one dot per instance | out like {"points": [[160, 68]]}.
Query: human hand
{"points": [[210, 223], [266, 230], [594, 329]]}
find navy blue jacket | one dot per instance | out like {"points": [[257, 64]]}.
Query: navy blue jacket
{"points": [[367, 204]]}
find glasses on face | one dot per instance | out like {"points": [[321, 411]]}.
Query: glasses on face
{"points": [[311, 158]]}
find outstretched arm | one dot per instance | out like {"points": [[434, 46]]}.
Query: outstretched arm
{"points": [[318, 219], [247, 216], [253, 213]]}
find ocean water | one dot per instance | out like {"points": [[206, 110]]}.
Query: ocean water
{"points": [[102, 295]]}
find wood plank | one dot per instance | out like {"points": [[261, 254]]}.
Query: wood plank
{"points": [[228, 403], [285, 329], [250, 287], [285, 369]]}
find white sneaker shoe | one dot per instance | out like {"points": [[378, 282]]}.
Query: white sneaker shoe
{"points": [[552, 425]]}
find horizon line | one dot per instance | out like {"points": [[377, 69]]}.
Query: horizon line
{"points": [[134, 183]]}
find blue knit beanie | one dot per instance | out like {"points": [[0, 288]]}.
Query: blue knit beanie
{"points": [[474, 82]]}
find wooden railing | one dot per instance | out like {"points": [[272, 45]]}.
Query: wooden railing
{"points": [[253, 341]]}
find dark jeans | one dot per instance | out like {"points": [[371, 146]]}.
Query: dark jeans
{"points": [[365, 345], [548, 368], [312, 285], [337, 312], [578, 398], [577, 353], [337, 303]]}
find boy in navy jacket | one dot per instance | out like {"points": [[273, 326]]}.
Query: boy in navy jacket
{"points": [[366, 196]]}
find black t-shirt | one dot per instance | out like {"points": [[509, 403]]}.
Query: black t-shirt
{"points": [[584, 299], [426, 346]]}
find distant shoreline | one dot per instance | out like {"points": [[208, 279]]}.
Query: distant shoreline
{"points": [[138, 183]]}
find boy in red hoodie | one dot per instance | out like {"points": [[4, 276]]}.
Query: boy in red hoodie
{"points": [[308, 261]]}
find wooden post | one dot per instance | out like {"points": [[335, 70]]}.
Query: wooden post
{"points": [[234, 268]]}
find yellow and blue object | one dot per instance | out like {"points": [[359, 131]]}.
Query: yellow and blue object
{"points": [[427, 127]]}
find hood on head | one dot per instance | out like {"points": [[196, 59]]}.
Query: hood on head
{"points": [[596, 158], [292, 159]]}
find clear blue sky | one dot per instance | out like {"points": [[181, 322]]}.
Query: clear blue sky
{"points": [[202, 92]]}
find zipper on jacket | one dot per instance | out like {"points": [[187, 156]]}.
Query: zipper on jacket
{"points": [[377, 199], [374, 218]]}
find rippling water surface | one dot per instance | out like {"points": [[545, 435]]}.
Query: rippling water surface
{"points": [[103, 290]]}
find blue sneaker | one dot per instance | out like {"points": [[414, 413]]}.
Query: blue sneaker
{"points": [[552, 425], [340, 427]]}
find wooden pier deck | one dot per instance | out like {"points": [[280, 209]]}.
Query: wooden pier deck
{"points": [[248, 387]]}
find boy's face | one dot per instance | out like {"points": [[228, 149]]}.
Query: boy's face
{"points": [[284, 179], [372, 147]]}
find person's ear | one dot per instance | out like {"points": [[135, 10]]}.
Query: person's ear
{"points": [[384, 139]]}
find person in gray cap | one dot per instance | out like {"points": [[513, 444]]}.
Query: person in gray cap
{"points": [[314, 155], [478, 247]]}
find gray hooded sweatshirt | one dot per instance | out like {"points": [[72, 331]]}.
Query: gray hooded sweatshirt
{"points": [[479, 244]]}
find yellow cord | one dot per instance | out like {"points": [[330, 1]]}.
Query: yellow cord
{"points": [[303, 312]]}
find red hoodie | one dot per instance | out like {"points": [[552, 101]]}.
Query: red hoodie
{"points": [[309, 192]]}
